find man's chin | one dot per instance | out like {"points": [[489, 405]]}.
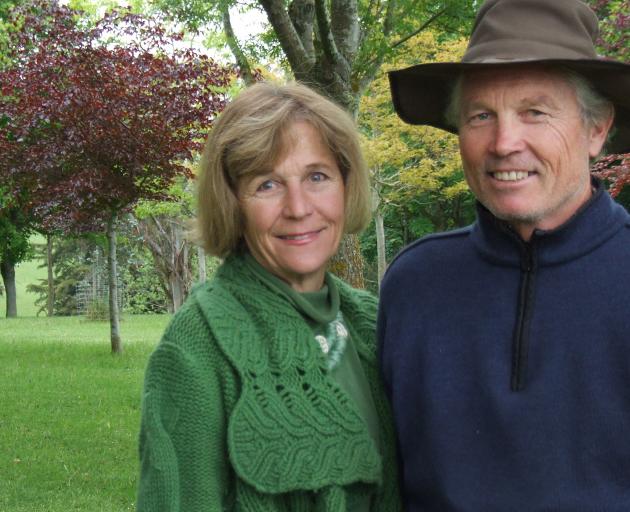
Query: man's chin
{"points": [[516, 218]]}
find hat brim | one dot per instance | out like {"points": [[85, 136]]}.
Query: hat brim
{"points": [[421, 93]]}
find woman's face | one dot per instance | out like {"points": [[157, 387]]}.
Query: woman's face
{"points": [[294, 214]]}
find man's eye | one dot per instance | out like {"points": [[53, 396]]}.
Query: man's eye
{"points": [[480, 117], [536, 113]]}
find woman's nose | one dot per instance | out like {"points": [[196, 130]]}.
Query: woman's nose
{"points": [[297, 201]]}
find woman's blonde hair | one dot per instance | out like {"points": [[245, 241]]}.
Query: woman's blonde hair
{"points": [[249, 137]]}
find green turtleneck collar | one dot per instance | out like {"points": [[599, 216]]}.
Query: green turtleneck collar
{"points": [[321, 307]]}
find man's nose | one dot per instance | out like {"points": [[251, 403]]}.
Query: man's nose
{"points": [[508, 136], [297, 203]]}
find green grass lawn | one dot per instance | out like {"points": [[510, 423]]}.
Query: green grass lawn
{"points": [[69, 413]]}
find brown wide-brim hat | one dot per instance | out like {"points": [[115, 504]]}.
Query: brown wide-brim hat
{"points": [[557, 33]]}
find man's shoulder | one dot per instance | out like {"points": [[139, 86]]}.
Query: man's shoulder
{"points": [[435, 245]]}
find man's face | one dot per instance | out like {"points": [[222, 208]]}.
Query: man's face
{"points": [[525, 147]]}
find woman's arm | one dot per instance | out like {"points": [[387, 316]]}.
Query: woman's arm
{"points": [[183, 454]]}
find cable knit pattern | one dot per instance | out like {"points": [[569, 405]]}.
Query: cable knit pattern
{"points": [[239, 412]]}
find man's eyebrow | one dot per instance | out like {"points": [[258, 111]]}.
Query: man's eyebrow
{"points": [[474, 105], [543, 99]]}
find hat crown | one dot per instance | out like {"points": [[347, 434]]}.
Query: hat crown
{"points": [[522, 30]]}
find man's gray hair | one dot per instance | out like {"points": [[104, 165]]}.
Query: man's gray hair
{"points": [[594, 107]]}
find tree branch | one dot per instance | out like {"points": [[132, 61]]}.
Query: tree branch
{"points": [[291, 43], [232, 41], [420, 29], [344, 18], [389, 17], [325, 33], [301, 13]]}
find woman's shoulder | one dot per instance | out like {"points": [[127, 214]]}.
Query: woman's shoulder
{"points": [[220, 318], [189, 329]]}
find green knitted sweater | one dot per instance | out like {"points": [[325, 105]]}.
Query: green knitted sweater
{"points": [[240, 414]]}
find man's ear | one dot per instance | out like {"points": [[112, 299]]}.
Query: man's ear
{"points": [[598, 132]]}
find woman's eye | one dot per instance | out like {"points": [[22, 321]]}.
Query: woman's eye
{"points": [[265, 186], [318, 176]]}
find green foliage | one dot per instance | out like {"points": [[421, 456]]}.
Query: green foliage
{"points": [[383, 27], [14, 235], [180, 202], [143, 293], [614, 16], [614, 42], [72, 257], [25, 273], [5, 11], [15, 228], [70, 413], [623, 198], [416, 170], [79, 258]]}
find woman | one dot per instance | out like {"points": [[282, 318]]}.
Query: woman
{"points": [[263, 394]]}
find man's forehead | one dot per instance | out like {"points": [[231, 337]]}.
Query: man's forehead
{"points": [[536, 83]]}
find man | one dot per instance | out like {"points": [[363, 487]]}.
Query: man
{"points": [[505, 346]]}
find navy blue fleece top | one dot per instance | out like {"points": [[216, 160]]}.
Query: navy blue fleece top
{"points": [[508, 365]]}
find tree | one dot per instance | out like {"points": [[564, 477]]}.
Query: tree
{"points": [[162, 228], [98, 117], [5, 11], [614, 16], [335, 46], [70, 258], [614, 42], [15, 230], [14, 226], [418, 180], [615, 169]]}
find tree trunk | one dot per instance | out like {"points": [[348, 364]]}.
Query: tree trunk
{"points": [[7, 269], [165, 239], [114, 314], [348, 262], [180, 266], [178, 293], [51, 282], [201, 264], [380, 246]]}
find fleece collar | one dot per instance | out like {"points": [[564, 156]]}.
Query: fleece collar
{"points": [[595, 223]]}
